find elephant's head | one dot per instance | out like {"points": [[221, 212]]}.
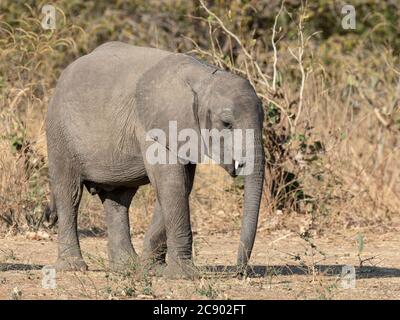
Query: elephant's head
{"points": [[229, 102], [198, 96]]}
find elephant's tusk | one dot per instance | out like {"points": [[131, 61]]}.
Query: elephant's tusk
{"points": [[236, 165]]}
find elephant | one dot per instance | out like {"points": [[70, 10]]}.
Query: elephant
{"points": [[96, 123]]}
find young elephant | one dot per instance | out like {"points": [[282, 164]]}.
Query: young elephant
{"points": [[96, 125]]}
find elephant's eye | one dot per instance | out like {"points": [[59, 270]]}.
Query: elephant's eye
{"points": [[227, 125]]}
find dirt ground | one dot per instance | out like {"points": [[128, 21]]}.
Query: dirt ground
{"points": [[285, 266]]}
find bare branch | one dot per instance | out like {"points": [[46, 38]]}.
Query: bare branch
{"points": [[236, 38], [274, 46]]}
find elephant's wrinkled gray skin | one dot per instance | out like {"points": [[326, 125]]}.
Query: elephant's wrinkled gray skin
{"points": [[103, 105]]}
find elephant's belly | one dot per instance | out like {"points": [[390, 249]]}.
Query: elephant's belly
{"points": [[115, 174]]}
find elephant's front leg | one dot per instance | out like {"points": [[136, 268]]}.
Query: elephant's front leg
{"points": [[173, 185]]}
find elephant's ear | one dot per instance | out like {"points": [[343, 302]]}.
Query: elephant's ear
{"points": [[167, 112]]}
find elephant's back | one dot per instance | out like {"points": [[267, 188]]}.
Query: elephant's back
{"points": [[111, 67], [99, 86], [92, 110]]}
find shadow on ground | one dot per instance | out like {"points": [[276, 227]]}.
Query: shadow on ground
{"points": [[19, 267], [258, 271], [287, 270]]}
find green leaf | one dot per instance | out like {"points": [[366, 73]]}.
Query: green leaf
{"points": [[273, 113], [16, 143]]}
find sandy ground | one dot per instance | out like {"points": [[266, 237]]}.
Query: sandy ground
{"points": [[285, 266]]}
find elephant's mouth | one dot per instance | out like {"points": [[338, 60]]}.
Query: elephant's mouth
{"points": [[235, 168]]}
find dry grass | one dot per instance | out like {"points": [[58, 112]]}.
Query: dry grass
{"points": [[332, 113], [284, 267]]}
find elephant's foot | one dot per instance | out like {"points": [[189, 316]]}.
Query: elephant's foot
{"points": [[71, 264], [124, 262], [154, 254], [181, 269], [150, 259], [153, 267], [154, 261]]}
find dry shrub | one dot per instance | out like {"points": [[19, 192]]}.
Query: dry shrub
{"points": [[20, 197]]}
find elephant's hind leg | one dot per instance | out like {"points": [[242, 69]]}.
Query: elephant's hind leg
{"points": [[116, 205], [67, 190]]}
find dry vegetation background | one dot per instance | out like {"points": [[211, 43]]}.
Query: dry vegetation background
{"points": [[331, 97]]}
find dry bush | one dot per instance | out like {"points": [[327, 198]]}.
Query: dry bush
{"points": [[20, 195]]}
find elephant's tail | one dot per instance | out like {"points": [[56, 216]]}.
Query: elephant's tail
{"points": [[50, 213]]}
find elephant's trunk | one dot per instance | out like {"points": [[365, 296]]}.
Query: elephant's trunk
{"points": [[253, 186]]}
